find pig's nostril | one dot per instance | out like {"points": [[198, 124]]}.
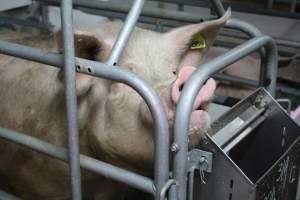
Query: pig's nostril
{"points": [[181, 87]]}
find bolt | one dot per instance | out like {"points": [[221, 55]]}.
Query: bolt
{"points": [[174, 148], [202, 159]]}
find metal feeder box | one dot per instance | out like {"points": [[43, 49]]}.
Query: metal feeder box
{"points": [[255, 152]]}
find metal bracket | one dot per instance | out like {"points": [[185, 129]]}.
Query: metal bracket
{"points": [[201, 160]]}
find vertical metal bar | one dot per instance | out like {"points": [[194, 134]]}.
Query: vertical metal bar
{"points": [[247, 28], [293, 6], [71, 102], [270, 4], [125, 33], [102, 70], [191, 89], [251, 31], [191, 184], [180, 7], [218, 6]]}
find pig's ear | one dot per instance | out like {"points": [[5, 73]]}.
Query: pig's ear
{"points": [[192, 41], [87, 44]]}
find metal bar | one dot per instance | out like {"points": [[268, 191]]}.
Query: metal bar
{"points": [[132, 179], [71, 98], [234, 80], [270, 4], [166, 14], [116, 74], [245, 27], [6, 196], [125, 33], [252, 31], [192, 87], [191, 183], [218, 7], [293, 6], [165, 189], [147, 11], [30, 23]]}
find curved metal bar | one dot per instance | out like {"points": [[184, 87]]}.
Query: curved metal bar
{"points": [[126, 31], [218, 6], [252, 32], [159, 116], [135, 180], [166, 187], [247, 28], [192, 87], [161, 168]]}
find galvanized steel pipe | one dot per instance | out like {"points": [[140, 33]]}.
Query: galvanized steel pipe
{"points": [[71, 97], [125, 32], [98, 69], [107, 170], [192, 87]]}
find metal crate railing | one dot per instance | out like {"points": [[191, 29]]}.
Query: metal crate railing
{"points": [[162, 181]]}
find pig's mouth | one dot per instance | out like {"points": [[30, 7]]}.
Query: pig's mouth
{"points": [[199, 117]]}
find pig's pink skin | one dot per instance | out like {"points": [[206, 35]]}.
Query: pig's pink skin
{"points": [[113, 122], [295, 113], [206, 93]]}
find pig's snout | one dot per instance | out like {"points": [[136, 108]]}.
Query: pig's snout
{"points": [[204, 95], [170, 97]]}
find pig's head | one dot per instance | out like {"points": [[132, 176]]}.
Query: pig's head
{"points": [[115, 118]]}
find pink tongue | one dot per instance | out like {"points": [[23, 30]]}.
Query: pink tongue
{"points": [[205, 94]]}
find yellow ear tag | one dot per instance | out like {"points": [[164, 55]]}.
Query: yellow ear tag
{"points": [[198, 42]]}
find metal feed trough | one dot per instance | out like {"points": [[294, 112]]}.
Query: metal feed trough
{"points": [[255, 150], [227, 164]]}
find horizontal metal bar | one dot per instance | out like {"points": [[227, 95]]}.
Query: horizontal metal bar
{"points": [[234, 80], [132, 179], [123, 8], [118, 74], [125, 32], [192, 87], [22, 22], [238, 8]]}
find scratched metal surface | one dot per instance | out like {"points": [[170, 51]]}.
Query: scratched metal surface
{"points": [[282, 180]]}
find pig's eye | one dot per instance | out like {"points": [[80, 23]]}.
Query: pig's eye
{"points": [[174, 72]]}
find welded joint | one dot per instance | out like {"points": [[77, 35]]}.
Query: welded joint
{"points": [[201, 160]]}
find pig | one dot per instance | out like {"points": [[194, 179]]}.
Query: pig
{"points": [[114, 123]]}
